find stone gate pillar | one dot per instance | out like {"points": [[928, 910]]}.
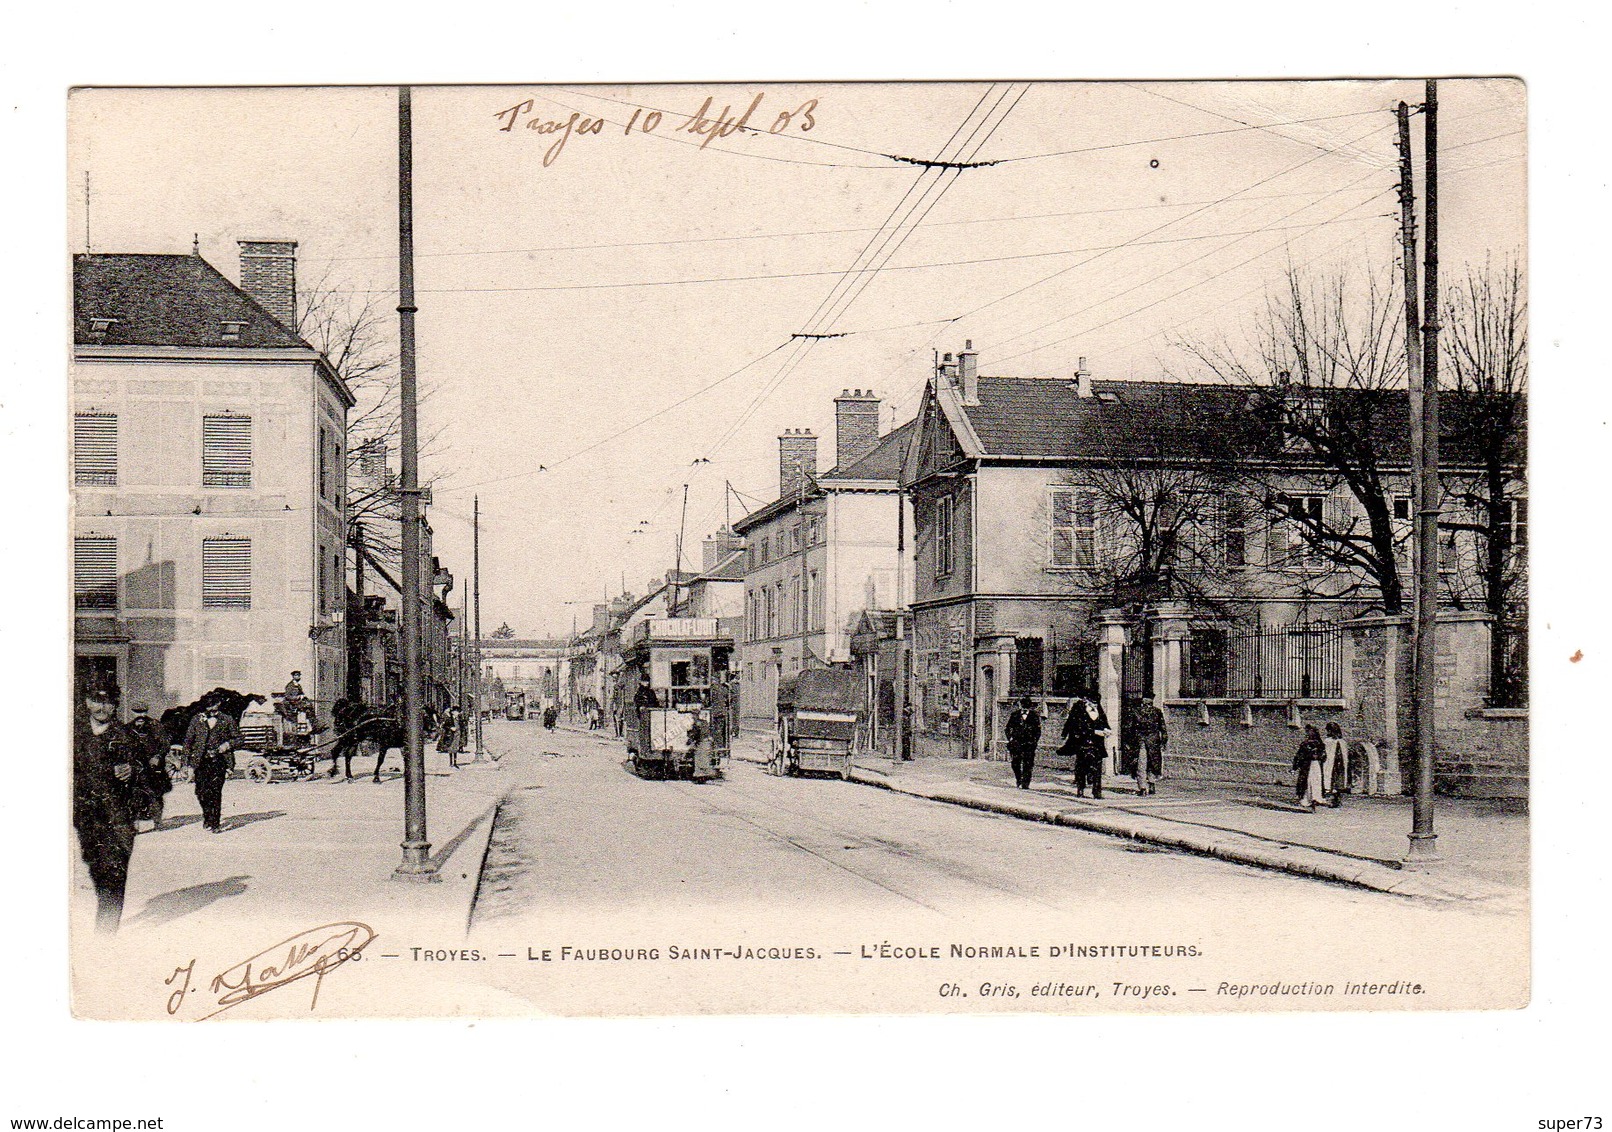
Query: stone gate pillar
{"points": [[1113, 627], [1171, 631]]}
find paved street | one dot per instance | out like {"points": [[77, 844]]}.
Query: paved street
{"points": [[587, 854]]}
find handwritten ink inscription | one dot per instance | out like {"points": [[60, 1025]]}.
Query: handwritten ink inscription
{"points": [[312, 953], [705, 122]]}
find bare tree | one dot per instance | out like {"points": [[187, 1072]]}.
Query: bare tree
{"points": [[354, 331], [1325, 370], [1484, 343]]}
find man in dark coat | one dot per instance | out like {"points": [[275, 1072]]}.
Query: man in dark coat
{"points": [[1151, 736], [107, 779], [210, 744], [156, 781], [1084, 732], [1023, 729]]}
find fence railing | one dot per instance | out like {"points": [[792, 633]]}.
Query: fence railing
{"points": [[1304, 661]]}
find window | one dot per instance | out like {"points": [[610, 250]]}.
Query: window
{"points": [[1514, 520], [95, 572], [1306, 413], [227, 573], [1027, 665], [324, 462], [814, 602], [1233, 530], [771, 611], [763, 544], [226, 451], [1074, 527], [95, 448], [1298, 513], [803, 613], [944, 516]]}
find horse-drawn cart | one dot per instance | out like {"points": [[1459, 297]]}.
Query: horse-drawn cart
{"points": [[817, 715], [277, 742]]}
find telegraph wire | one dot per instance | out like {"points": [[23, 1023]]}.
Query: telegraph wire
{"points": [[813, 232], [1234, 238], [1183, 290], [1168, 224]]}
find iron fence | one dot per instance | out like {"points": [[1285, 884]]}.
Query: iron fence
{"points": [[1301, 661]]}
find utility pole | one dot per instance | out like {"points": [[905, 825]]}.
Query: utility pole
{"points": [[416, 864], [677, 576], [475, 585], [1423, 840]]}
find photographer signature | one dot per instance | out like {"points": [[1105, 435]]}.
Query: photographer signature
{"points": [[315, 952]]}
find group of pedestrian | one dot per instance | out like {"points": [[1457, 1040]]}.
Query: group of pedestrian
{"points": [[121, 779], [1322, 767], [1084, 738]]}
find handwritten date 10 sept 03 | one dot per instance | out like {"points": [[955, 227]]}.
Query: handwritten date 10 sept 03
{"points": [[702, 123]]}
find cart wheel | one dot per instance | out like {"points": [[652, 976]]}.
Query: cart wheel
{"points": [[259, 770]]}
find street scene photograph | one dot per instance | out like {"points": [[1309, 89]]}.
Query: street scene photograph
{"points": [[1044, 547]]}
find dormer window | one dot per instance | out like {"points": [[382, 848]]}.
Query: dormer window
{"points": [[99, 327], [232, 329]]}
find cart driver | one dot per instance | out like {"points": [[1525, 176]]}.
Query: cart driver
{"points": [[295, 700]]}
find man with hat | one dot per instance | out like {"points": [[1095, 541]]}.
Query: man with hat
{"points": [[1023, 730], [157, 782], [107, 766], [210, 743]]}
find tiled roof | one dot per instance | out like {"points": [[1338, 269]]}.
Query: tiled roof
{"points": [[730, 569], [1047, 418], [883, 463], [167, 300]]}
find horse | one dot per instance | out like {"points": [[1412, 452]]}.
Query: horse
{"points": [[358, 723]]}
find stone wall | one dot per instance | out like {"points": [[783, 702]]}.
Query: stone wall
{"points": [[1237, 741]]}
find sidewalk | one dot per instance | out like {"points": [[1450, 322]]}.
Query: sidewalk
{"points": [[1484, 844], [294, 849]]}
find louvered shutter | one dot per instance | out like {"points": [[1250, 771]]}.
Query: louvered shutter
{"points": [[226, 451], [95, 448], [95, 573], [227, 573]]}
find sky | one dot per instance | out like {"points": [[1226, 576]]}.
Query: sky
{"points": [[606, 313]]}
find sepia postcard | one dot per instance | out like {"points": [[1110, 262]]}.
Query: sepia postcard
{"points": [[1015, 547]]}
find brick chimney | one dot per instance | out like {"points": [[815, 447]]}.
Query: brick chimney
{"points": [[269, 275], [717, 547], [856, 426], [797, 461], [1082, 382], [968, 378]]}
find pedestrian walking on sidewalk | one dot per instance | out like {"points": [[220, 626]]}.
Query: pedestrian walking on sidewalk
{"points": [[1335, 766], [155, 780], [210, 743], [106, 779], [1151, 736], [1307, 764], [1085, 730], [448, 735], [1023, 731]]}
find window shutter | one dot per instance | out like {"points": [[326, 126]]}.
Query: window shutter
{"points": [[227, 573], [95, 573], [95, 448], [226, 451]]}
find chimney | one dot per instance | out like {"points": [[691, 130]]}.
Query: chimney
{"points": [[968, 378], [269, 275], [1082, 382], [797, 461], [717, 547], [856, 426]]}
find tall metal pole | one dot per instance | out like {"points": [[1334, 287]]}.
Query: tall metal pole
{"points": [[416, 863], [475, 586], [1423, 841]]}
